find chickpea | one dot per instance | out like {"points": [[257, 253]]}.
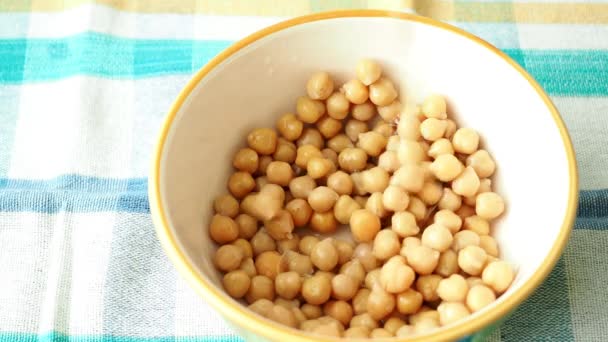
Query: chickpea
{"points": [[288, 284], [482, 163], [439, 147], [373, 143], [382, 92], [372, 279], [302, 186], [322, 199], [465, 211], [246, 160], [355, 91], [354, 128], [309, 110], [478, 297], [245, 247], [329, 127], [473, 281], [345, 251], [354, 269], [389, 161], [223, 229], [361, 200], [283, 316], [425, 313], [299, 315], [263, 164], [226, 205], [449, 200], [311, 311], [261, 307], [449, 220], [311, 136], [409, 301], [395, 275], [386, 244], [324, 255], [385, 129], [340, 182], [395, 198], [488, 244], [375, 205], [408, 127], [477, 224], [431, 192], [426, 325], [463, 239], [281, 226], [339, 143], [240, 184], [380, 303], [248, 266], [446, 167], [409, 177], [390, 112], [498, 275], [300, 211], [360, 301], [285, 152], [410, 152], [307, 243], [453, 289], [451, 312], [337, 106], [364, 225], [393, 324], [357, 332], [427, 286], [262, 242], [380, 333], [392, 143], [268, 264], [247, 226], [467, 183], [319, 167], [364, 320], [417, 208], [344, 287], [368, 71], [261, 287], [319, 86], [344, 208], [298, 263], [423, 259], [289, 126], [279, 172], [310, 325], [433, 129], [323, 222], [405, 331], [289, 244], [263, 140], [447, 264], [327, 330], [408, 244], [364, 253], [236, 283], [437, 236], [339, 310], [472, 259], [364, 111], [352, 159], [404, 224], [489, 205], [434, 106], [316, 290], [375, 179], [465, 140]]}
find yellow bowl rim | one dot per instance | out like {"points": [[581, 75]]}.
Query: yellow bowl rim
{"points": [[246, 319]]}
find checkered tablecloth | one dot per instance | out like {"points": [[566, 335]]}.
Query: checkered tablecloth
{"points": [[84, 86]]}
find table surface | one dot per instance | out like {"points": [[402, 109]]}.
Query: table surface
{"points": [[84, 86]]}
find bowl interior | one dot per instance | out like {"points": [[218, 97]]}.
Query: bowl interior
{"points": [[252, 87]]}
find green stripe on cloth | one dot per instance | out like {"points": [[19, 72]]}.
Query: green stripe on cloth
{"points": [[560, 72], [60, 337]]}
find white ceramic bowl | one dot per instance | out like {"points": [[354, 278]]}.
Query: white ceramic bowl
{"points": [[257, 79]]}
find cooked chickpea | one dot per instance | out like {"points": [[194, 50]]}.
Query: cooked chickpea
{"points": [[409, 177], [307, 243], [316, 290], [339, 310], [482, 163], [279, 172], [439, 147], [375, 179], [300, 211], [417, 208], [364, 111], [352, 159], [340, 182], [473, 281], [472, 259], [344, 287], [373, 143], [498, 275], [447, 264], [410, 152], [477, 225], [309, 110], [289, 126], [409, 127], [288, 284], [361, 200], [408, 244], [247, 226], [263, 140], [262, 242], [382, 92], [280, 226], [380, 333], [261, 307], [289, 244], [344, 208], [434, 106], [364, 225], [364, 253], [236, 283], [332, 156], [364, 320], [310, 325], [489, 205], [323, 222], [427, 286], [431, 192], [223, 229], [395, 275], [319, 86], [372, 279], [261, 287], [467, 183], [301, 187], [311, 136], [408, 302], [489, 245], [425, 313], [437, 236], [345, 251], [451, 312], [226, 205], [268, 264], [395, 198], [354, 128], [298, 263], [319, 167], [248, 266], [285, 152], [337, 106], [368, 71], [283, 316], [392, 143], [240, 184], [357, 332], [449, 200], [299, 315], [463, 239], [389, 161], [433, 129], [327, 330], [245, 247], [465, 140], [322, 199], [425, 325], [355, 91], [246, 160], [479, 296], [423, 259], [329, 127], [263, 164], [311, 311], [404, 224], [449, 220], [453, 288], [405, 331], [324, 255], [360, 301], [393, 324], [339, 143], [446, 167], [380, 303]]}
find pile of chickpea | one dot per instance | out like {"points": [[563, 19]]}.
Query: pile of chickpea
{"points": [[414, 190]]}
